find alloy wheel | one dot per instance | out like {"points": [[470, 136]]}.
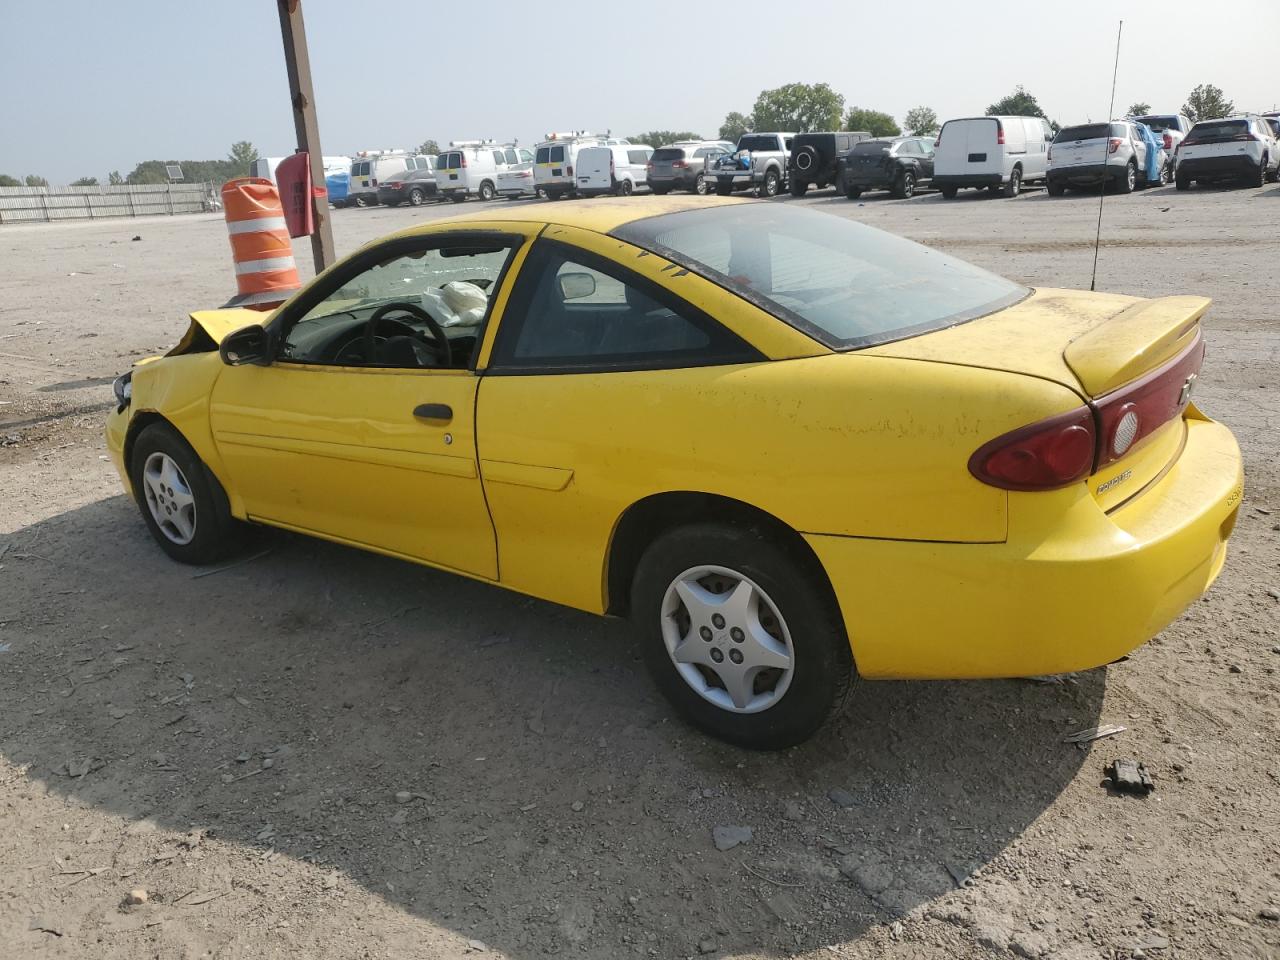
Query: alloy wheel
{"points": [[727, 639], [169, 498]]}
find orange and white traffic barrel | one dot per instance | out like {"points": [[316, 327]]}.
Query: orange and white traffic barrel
{"points": [[266, 275]]}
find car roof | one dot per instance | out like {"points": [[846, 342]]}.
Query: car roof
{"points": [[600, 215]]}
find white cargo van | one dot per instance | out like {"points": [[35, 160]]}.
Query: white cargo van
{"points": [[555, 157], [369, 168], [997, 153], [470, 168], [616, 169]]}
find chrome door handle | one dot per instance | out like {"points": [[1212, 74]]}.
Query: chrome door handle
{"points": [[433, 411]]}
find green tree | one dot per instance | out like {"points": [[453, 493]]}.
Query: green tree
{"points": [[873, 121], [428, 148], [31, 180], [8, 181], [1020, 103], [660, 138], [798, 106], [114, 178], [1206, 102], [1138, 109], [921, 121], [241, 157], [85, 182], [735, 125]]}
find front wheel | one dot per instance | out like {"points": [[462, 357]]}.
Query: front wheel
{"points": [[625, 188], [949, 193], [416, 196], [182, 503], [853, 193], [457, 196], [1261, 179], [740, 635], [658, 191], [362, 200]]}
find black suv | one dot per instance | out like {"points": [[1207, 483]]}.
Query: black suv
{"points": [[813, 158], [896, 164]]}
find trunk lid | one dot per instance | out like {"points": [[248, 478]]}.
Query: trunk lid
{"points": [[1120, 354]]}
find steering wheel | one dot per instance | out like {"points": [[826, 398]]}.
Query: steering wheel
{"points": [[438, 345]]}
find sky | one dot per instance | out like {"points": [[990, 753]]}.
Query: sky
{"points": [[90, 87]]}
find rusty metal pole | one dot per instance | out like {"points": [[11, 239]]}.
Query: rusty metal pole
{"points": [[302, 96]]}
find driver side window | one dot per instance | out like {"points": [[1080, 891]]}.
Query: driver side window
{"points": [[392, 313]]}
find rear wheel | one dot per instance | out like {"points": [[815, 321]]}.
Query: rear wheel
{"points": [[1272, 175], [853, 193], [1182, 183], [905, 186], [1129, 180], [625, 188], [182, 503], [1261, 178], [486, 191], [699, 185], [1055, 188], [416, 196], [949, 193], [798, 187], [361, 200], [1014, 186], [658, 191], [771, 183], [457, 196], [740, 635]]}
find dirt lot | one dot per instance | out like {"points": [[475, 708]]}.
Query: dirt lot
{"points": [[234, 744]]}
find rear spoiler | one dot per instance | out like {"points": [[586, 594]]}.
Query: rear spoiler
{"points": [[1134, 341]]}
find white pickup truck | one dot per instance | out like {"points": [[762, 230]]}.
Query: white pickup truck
{"points": [[759, 163]]}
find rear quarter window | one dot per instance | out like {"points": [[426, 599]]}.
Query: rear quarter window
{"points": [[638, 156]]}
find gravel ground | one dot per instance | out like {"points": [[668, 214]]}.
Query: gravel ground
{"points": [[325, 753]]}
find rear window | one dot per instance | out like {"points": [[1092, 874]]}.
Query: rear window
{"points": [[669, 153], [543, 154], [1218, 130], [557, 154], [756, 142], [870, 146], [450, 160], [1090, 131], [844, 283], [1159, 124]]}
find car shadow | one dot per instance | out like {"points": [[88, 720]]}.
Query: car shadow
{"points": [[547, 798]]}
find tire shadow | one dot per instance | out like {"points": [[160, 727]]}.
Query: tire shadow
{"points": [[157, 693]]}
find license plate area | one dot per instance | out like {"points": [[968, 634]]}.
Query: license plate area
{"points": [[977, 158]]}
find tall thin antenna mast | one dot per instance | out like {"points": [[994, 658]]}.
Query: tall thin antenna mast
{"points": [[1106, 147]]}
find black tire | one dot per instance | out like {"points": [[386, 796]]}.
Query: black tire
{"points": [[416, 196], [457, 196], [724, 189], [362, 200], [771, 184], [487, 191], [658, 191], [1273, 176], [823, 663], [1182, 183], [1261, 179], [798, 188], [625, 188], [216, 532], [1014, 186], [904, 186], [949, 193], [853, 193], [1055, 188], [1126, 183]]}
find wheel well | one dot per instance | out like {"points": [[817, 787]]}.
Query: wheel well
{"points": [[647, 519], [139, 423]]}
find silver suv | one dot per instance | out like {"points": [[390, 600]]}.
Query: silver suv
{"points": [[679, 166], [1098, 153]]}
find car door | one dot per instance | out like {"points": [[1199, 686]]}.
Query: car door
{"points": [[594, 386], [377, 451]]}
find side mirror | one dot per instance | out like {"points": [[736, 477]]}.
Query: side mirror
{"points": [[575, 286], [247, 345]]}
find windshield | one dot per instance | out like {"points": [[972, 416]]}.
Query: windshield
{"points": [[845, 284]]}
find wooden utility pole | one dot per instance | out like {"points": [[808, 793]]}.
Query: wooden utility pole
{"points": [[301, 94]]}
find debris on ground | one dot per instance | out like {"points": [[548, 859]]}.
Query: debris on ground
{"points": [[136, 897], [726, 838], [1094, 733], [1129, 776], [841, 798]]}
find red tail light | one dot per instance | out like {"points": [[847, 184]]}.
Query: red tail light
{"points": [[1129, 415], [1053, 453], [464, 160], [678, 164], [648, 168], [1114, 144], [1168, 140], [1000, 133]]}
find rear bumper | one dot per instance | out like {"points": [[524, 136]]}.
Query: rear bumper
{"points": [[1086, 173], [1072, 588], [880, 180], [686, 181], [967, 180], [1192, 168]]}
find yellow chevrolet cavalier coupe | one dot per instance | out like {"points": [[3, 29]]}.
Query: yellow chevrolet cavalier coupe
{"points": [[788, 446]]}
